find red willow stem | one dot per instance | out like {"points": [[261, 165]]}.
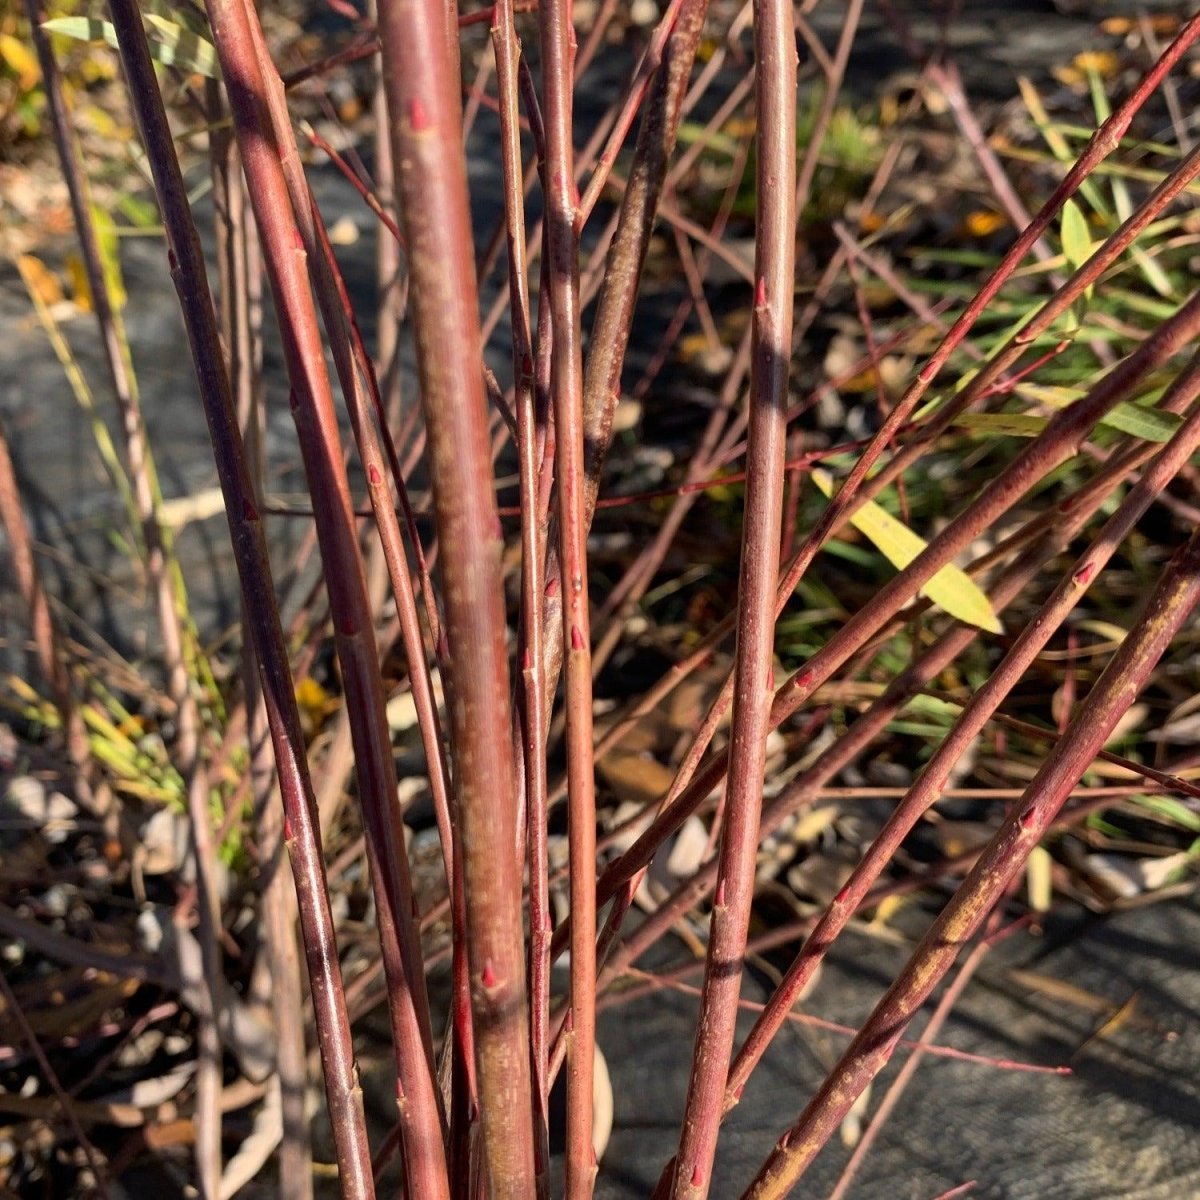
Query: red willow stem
{"points": [[277, 977], [1170, 605], [188, 271], [426, 130], [984, 702], [775, 249], [557, 36], [533, 706], [349, 353], [238, 48], [904, 1077], [613, 322]]}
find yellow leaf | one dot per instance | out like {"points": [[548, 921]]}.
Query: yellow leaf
{"points": [[312, 697], [21, 61], [81, 290], [40, 280], [1002, 424], [984, 223], [1039, 879], [1103, 62], [951, 588], [108, 243]]}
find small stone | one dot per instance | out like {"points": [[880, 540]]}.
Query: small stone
{"points": [[51, 813], [57, 899], [643, 12]]}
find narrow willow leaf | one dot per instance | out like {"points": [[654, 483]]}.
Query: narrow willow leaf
{"points": [[1002, 424], [1171, 809], [1076, 240], [110, 255], [1058, 145], [170, 43], [951, 588], [181, 47], [1077, 243], [1149, 424]]}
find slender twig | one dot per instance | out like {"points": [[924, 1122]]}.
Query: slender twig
{"points": [[937, 1019], [91, 791], [834, 71], [562, 257], [533, 704], [188, 270], [13, 1008], [239, 305], [775, 248]]}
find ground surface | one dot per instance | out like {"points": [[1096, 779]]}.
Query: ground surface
{"points": [[1122, 1125]]}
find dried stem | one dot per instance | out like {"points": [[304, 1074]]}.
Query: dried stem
{"points": [[90, 789]]}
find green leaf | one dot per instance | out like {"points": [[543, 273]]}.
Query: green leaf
{"points": [[1149, 424], [951, 588], [1076, 240], [170, 43], [1077, 246], [1002, 424], [1171, 809], [110, 255]]}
